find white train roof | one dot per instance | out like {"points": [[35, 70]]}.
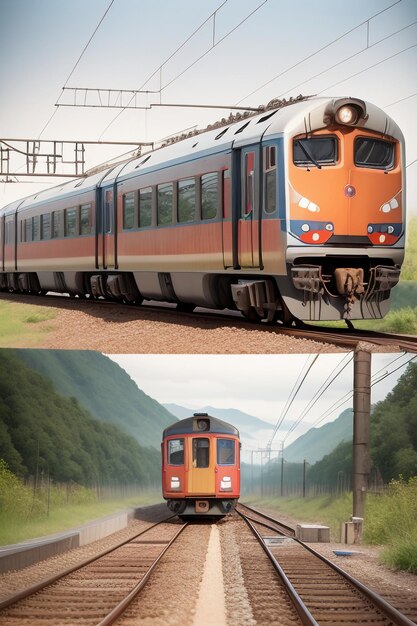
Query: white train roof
{"points": [[292, 119]]}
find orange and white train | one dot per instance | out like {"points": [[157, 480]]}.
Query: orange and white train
{"points": [[201, 466], [295, 213]]}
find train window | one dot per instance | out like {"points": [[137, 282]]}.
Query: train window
{"points": [[85, 219], [209, 195], [145, 207], [70, 222], [108, 211], [201, 452], [249, 189], [56, 223], [28, 229], [225, 452], [270, 180], [129, 210], [375, 153], [186, 200], [46, 226], [176, 452], [35, 228], [321, 150], [227, 201], [165, 197]]}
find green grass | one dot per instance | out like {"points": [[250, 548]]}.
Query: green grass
{"points": [[15, 528], [23, 325], [324, 509], [390, 518]]}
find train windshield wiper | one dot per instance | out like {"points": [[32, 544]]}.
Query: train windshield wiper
{"points": [[308, 154]]}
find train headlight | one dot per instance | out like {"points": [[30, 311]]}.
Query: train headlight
{"points": [[384, 234], [175, 482], [347, 115], [226, 484], [312, 232], [305, 203], [387, 207]]}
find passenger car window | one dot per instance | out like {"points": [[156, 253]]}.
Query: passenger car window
{"points": [[176, 452], [322, 150], [70, 222], [46, 226], [129, 210], [56, 223], [164, 204], [209, 196], [85, 219], [375, 153], [145, 207], [201, 452], [186, 200], [225, 451]]}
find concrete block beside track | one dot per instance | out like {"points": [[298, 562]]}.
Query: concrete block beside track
{"points": [[20, 555], [312, 533]]}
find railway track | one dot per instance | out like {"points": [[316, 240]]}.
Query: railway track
{"points": [[346, 338], [322, 592], [98, 590]]}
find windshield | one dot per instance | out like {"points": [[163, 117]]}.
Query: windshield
{"points": [[316, 150], [374, 153]]}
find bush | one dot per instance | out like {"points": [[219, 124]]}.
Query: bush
{"points": [[391, 519]]}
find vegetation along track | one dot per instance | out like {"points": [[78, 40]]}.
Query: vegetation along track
{"points": [[95, 591], [321, 591]]}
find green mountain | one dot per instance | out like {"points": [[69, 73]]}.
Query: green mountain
{"points": [[104, 389], [393, 437], [250, 427], [44, 432], [317, 442]]}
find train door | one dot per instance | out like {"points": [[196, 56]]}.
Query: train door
{"points": [[107, 226], [248, 213], [2, 242], [201, 476]]}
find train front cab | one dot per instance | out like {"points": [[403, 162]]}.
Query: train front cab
{"points": [[201, 467]]}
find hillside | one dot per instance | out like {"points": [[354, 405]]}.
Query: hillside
{"points": [[317, 442], [393, 437], [249, 426], [42, 432], [104, 389]]}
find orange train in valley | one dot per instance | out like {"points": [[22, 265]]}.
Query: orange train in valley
{"points": [[297, 212], [201, 466]]}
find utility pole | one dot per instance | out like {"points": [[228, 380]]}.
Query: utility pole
{"points": [[282, 469], [304, 478], [361, 427]]}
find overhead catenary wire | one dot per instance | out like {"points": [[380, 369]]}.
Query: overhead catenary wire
{"points": [[75, 66], [214, 45], [310, 56], [329, 380]]}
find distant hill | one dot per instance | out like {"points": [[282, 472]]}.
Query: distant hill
{"points": [[44, 433], [104, 389], [249, 426], [317, 442]]}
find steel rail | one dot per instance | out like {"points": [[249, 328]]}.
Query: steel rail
{"points": [[305, 616], [345, 338], [29, 591], [387, 609], [119, 609]]}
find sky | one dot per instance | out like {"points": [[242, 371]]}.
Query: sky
{"points": [[251, 52], [259, 385]]}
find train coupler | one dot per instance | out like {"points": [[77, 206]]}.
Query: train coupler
{"points": [[349, 283]]}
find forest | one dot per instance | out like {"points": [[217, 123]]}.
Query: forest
{"points": [[44, 432]]}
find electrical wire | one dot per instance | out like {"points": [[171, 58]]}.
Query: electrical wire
{"points": [[310, 56], [296, 388], [329, 380], [159, 69], [75, 66], [392, 56]]}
